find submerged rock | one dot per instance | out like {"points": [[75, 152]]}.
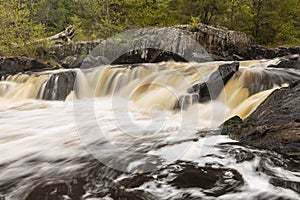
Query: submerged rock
{"points": [[274, 125]]}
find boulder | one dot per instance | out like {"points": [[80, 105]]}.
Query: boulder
{"points": [[72, 62], [274, 125], [282, 51], [290, 62], [59, 85], [294, 50], [13, 65], [210, 90]]}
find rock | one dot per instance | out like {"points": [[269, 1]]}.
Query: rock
{"points": [[59, 85], [13, 65], [219, 40], [260, 52], [282, 51], [270, 53], [232, 125], [211, 89], [72, 62], [294, 50], [148, 56], [290, 62], [178, 43], [274, 125]]}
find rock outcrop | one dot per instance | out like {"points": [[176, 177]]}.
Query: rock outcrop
{"points": [[257, 52], [13, 65], [178, 43], [219, 40], [274, 125]]}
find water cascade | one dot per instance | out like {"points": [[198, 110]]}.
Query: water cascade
{"points": [[51, 137]]}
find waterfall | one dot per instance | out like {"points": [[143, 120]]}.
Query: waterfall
{"points": [[150, 85]]}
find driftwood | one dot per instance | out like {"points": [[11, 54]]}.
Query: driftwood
{"points": [[65, 35]]}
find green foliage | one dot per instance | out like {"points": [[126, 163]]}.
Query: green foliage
{"points": [[18, 30], [24, 23]]}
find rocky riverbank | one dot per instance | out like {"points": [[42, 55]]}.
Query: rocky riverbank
{"points": [[164, 44], [274, 125]]}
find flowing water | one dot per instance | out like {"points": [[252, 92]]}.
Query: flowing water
{"points": [[117, 136]]}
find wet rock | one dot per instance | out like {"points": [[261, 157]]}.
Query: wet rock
{"points": [[241, 155], [72, 62], [282, 51], [210, 90], [51, 191], [13, 65], [59, 85], [293, 185], [211, 181], [290, 62], [274, 125], [232, 125], [294, 50]]}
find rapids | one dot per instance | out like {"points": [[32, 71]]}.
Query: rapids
{"points": [[116, 135]]}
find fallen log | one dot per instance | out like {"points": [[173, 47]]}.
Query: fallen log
{"points": [[65, 35]]}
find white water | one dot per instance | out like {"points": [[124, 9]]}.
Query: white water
{"points": [[132, 111]]}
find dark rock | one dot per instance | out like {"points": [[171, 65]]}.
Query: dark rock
{"points": [[148, 55], [210, 181], [210, 90], [231, 126], [294, 50], [260, 51], [251, 53], [282, 51], [13, 65], [59, 85], [72, 62], [270, 53], [291, 62], [49, 191], [293, 185], [274, 124], [216, 82]]}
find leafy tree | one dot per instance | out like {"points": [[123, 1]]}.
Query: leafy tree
{"points": [[18, 30]]}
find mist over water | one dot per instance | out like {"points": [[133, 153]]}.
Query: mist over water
{"points": [[117, 135]]}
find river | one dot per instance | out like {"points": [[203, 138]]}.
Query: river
{"points": [[117, 136]]}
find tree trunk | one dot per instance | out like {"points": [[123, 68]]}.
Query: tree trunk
{"points": [[65, 35]]}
